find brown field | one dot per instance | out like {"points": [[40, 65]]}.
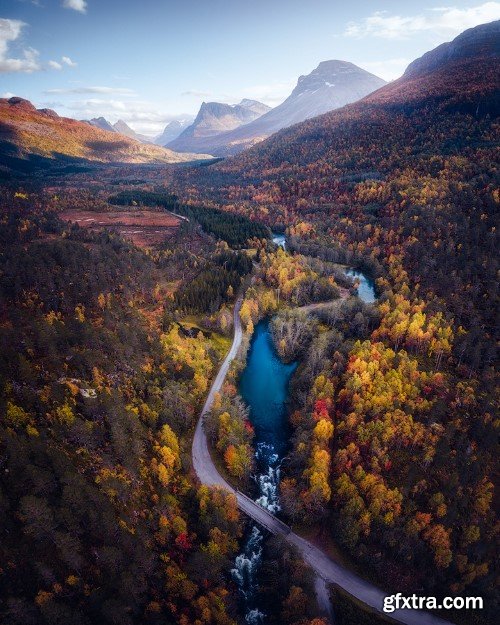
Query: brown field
{"points": [[144, 228]]}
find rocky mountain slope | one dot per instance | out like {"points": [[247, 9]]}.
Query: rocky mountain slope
{"points": [[120, 127], [101, 123], [330, 86], [124, 129], [215, 118]]}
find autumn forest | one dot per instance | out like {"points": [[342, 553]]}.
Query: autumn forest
{"points": [[125, 286]]}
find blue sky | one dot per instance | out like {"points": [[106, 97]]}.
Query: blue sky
{"points": [[147, 61]]}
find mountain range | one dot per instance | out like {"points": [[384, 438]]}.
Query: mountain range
{"points": [[222, 129], [171, 131], [331, 85], [120, 127], [215, 118], [31, 138], [457, 77]]}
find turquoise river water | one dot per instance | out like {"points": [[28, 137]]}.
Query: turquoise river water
{"points": [[264, 388]]}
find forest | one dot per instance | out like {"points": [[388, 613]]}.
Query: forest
{"points": [[236, 230], [393, 409], [101, 521], [107, 354], [108, 350]]}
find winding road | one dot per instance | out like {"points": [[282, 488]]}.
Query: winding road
{"points": [[325, 568]]}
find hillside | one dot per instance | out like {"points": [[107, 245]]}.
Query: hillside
{"points": [[330, 86], [215, 118], [31, 138], [431, 132], [426, 94]]}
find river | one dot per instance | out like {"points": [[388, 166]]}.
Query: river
{"points": [[279, 240], [264, 388], [366, 289]]}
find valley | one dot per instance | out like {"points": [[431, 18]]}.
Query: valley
{"points": [[249, 376]]}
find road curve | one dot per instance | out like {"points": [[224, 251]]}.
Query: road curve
{"points": [[324, 567]]}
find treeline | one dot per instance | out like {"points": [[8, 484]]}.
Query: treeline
{"points": [[236, 230], [336, 253], [215, 285], [138, 197], [230, 432]]}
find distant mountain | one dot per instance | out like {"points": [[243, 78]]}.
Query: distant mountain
{"points": [[330, 86], [172, 130], [215, 118], [102, 123], [124, 129], [120, 127], [457, 77], [31, 138]]}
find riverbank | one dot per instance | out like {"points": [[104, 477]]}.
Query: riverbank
{"points": [[322, 565]]}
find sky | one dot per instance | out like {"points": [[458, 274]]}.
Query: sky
{"points": [[150, 61]]}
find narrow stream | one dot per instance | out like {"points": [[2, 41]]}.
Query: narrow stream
{"points": [[279, 240]]}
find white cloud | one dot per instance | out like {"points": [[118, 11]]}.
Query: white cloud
{"points": [[197, 94], [58, 65], [442, 21], [91, 90], [96, 104], [76, 5], [7, 94], [10, 30]]}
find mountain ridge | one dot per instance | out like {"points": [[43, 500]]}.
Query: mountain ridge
{"points": [[172, 130], [483, 40], [214, 118], [101, 123], [124, 129], [467, 82], [332, 84], [30, 138]]}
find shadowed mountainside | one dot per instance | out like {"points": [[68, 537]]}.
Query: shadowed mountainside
{"points": [[30, 138]]}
